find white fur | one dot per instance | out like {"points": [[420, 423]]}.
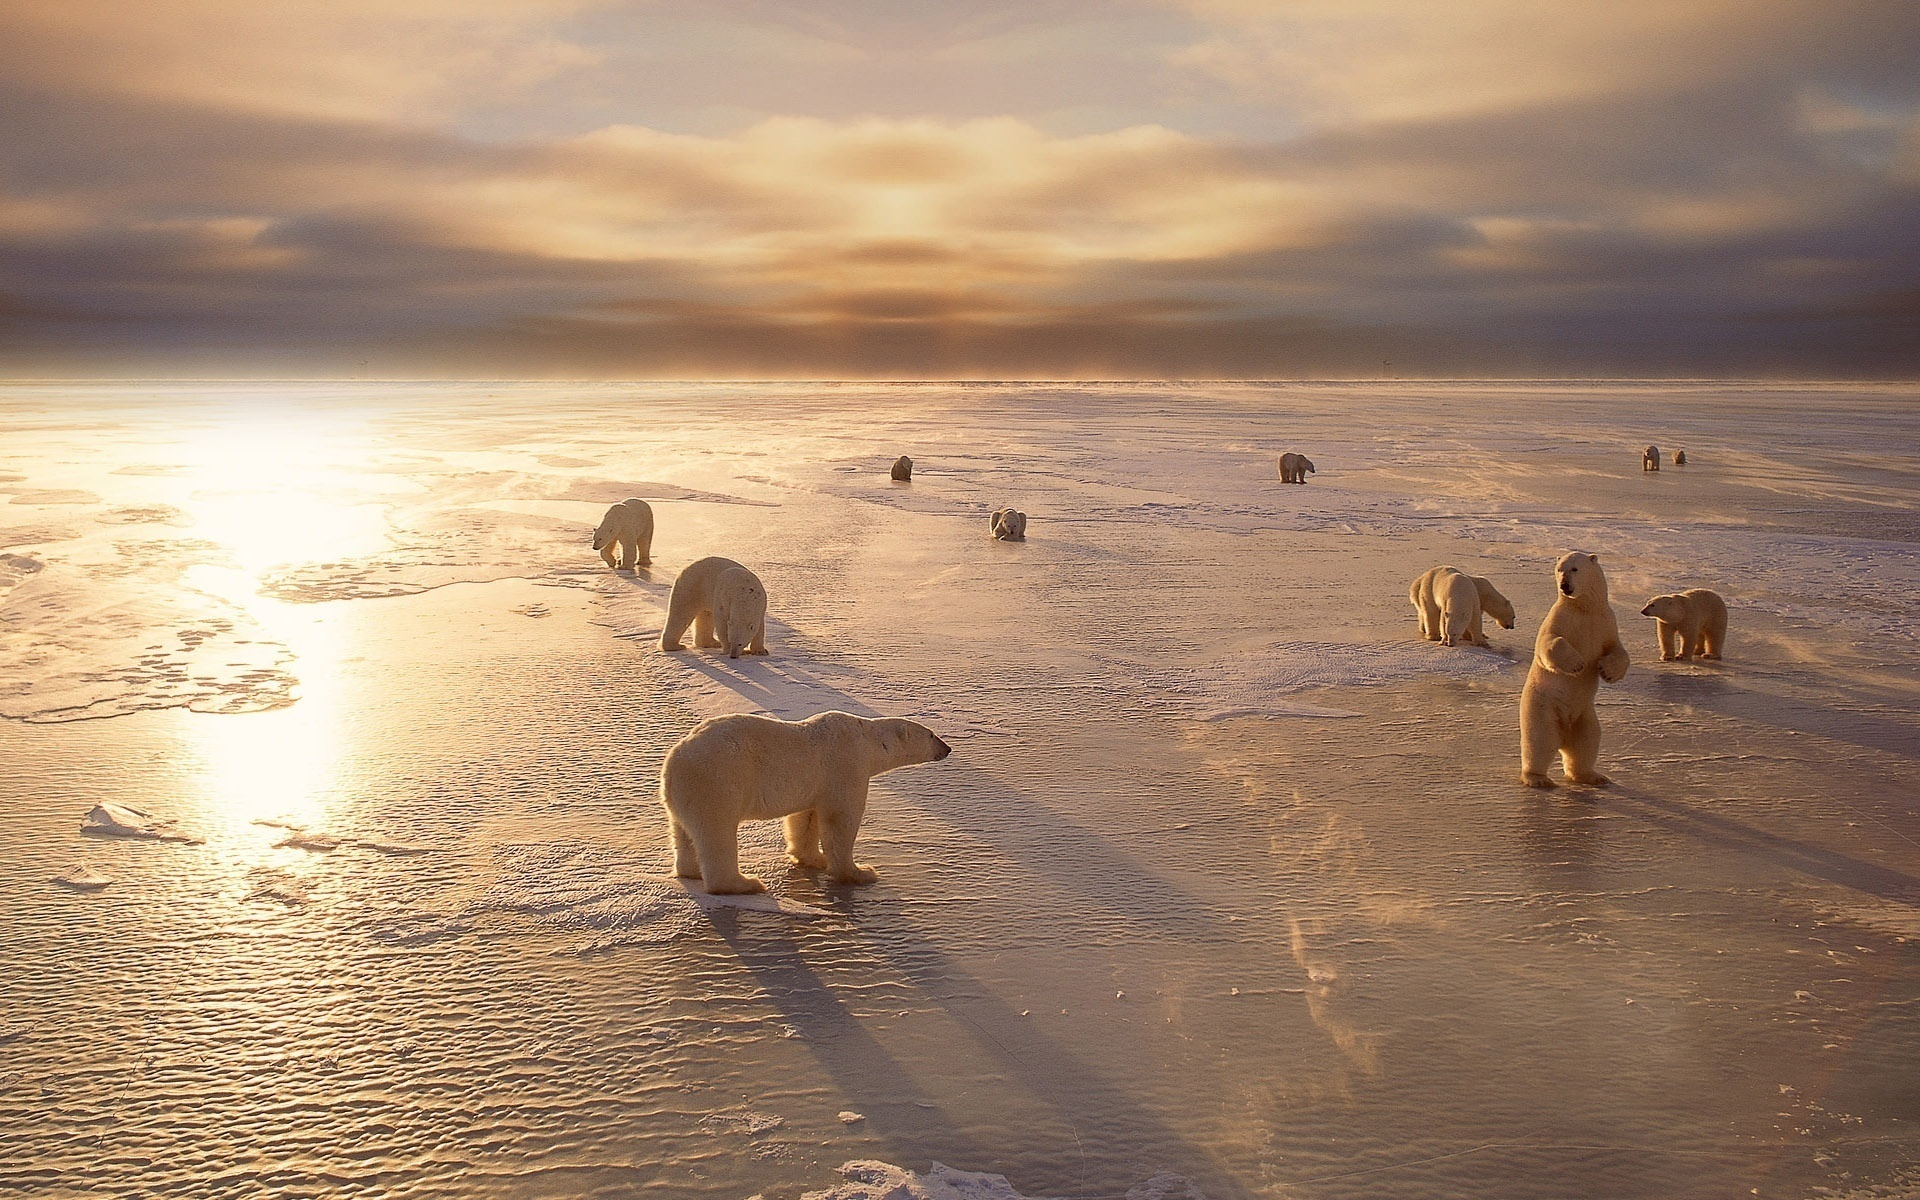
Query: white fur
{"points": [[1449, 602], [628, 525], [1008, 525], [1578, 646], [813, 773], [724, 602]]}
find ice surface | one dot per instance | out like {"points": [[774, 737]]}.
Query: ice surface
{"points": [[1124, 942]]}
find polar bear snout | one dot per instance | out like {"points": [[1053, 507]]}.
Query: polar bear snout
{"points": [[941, 749], [1648, 610], [1566, 586]]}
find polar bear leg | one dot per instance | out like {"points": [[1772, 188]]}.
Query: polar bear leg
{"points": [[1582, 751], [719, 851], [606, 554], [629, 550], [803, 840], [1712, 637], [1476, 634], [679, 616], [1689, 642], [759, 644], [644, 546], [703, 624], [686, 860], [839, 825], [1539, 738], [1667, 633]]}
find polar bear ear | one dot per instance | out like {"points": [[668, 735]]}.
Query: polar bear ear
{"points": [[1593, 558]]}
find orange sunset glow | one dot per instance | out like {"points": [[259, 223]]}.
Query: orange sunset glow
{"points": [[1186, 187]]}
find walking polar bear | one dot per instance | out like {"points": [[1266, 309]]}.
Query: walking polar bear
{"points": [[1578, 646], [1294, 468], [1449, 602], [1008, 525], [1697, 617], [814, 773], [1650, 459], [628, 525], [724, 602]]}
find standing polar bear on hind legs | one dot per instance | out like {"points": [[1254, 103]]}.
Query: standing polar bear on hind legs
{"points": [[1449, 602], [629, 526], [724, 602], [814, 773], [1578, 646], [1294, 468]]}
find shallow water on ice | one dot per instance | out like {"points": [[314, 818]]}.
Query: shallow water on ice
{"points": [[1228, 888]]}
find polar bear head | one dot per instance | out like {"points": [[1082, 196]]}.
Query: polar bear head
{"points": [[898, 742], [1493, 603], [1670, 608], [1580, 577], [739, 610]]}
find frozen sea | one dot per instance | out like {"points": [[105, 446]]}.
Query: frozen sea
{"points": [[1229, 888]]}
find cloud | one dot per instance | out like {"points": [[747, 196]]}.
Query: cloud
{"points": [[438, 187]]}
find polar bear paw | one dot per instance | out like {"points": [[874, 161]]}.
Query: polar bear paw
{"points": [[739, 885], [1534, 779], [857, 876], [1591, 779]]}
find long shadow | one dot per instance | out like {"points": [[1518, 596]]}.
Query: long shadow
{"points": [[1024, 831], [860, 1066], [1818, 861]]}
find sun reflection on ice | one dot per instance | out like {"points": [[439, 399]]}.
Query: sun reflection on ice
{"points": [[277, 765], [272, 488]]}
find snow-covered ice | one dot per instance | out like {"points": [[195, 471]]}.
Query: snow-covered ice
{"points": [[1228, 888]]}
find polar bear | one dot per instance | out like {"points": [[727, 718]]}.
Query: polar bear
{"points": [[1294, 468], [724, 602], [628, 525], [1696, 616], [903, 469], [1008, 525], [1679, 458], [1449, 602], [1578, 646], [814, 773], [1650, 459]]}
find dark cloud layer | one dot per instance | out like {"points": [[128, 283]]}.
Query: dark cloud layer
{"points": [[507, 188]]}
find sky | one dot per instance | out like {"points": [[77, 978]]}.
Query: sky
{"points": [[971, 189]]}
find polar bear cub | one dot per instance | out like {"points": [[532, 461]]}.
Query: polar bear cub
{"points": [[724, 602], [1449, 602], [1578, 646], [628, 525], [1008, 525], [1697, 617], [813, 773], [1294, 468]]}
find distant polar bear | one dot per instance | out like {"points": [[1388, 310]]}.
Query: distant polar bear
{"points": [[1650, 459], [724, 602], [1008, 525], [1449, 602], [1679, 458], [629, 525], [1578, 646], [903, 469], [1294, 468], [814, 773], [1696, 616]]}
